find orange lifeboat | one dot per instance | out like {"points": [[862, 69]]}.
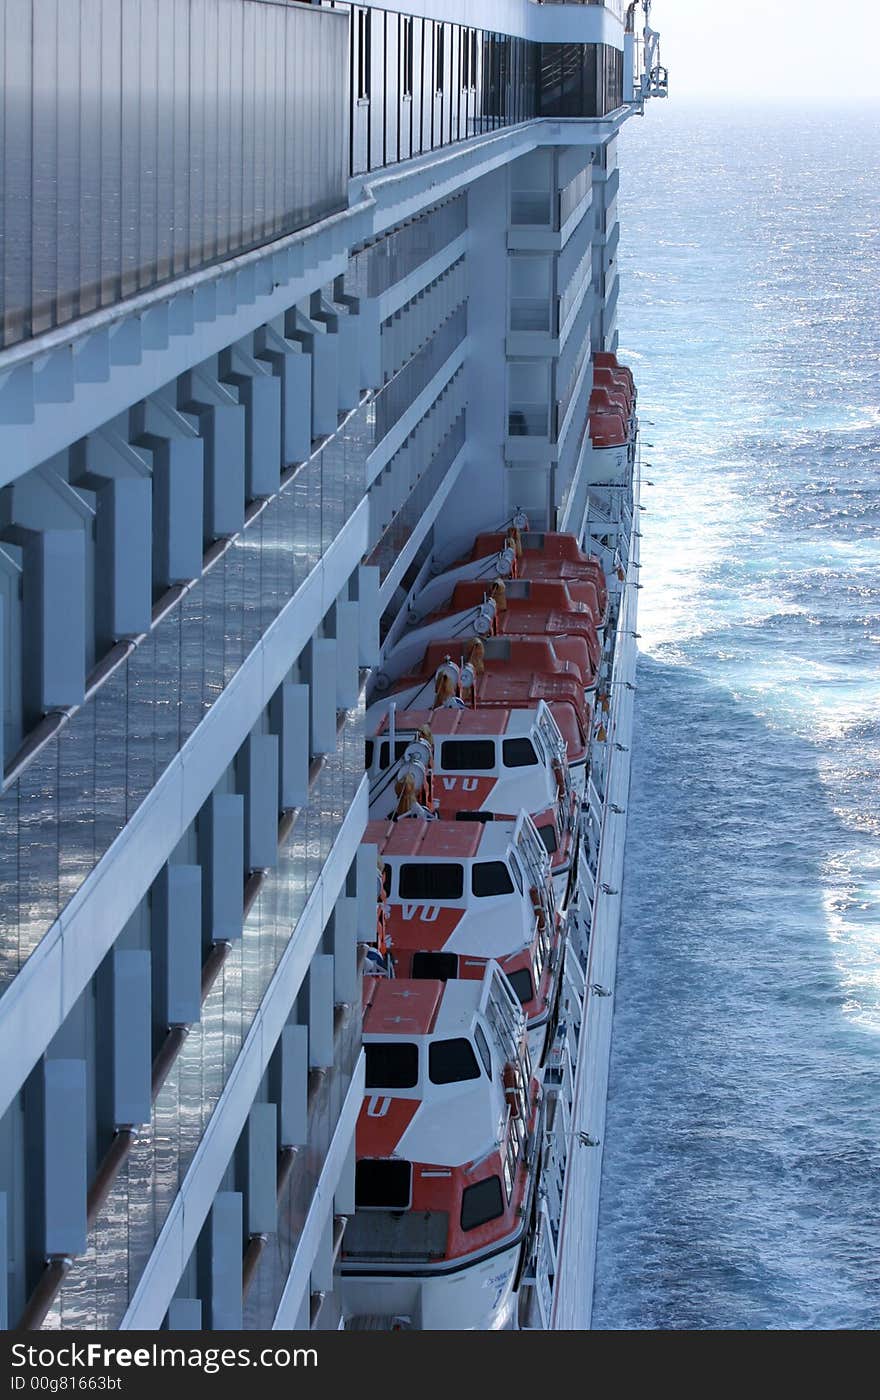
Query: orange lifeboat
{"points": [[613, 381], [440, 1222], [605, 359], [608, 430], [548, 554], [604, 400]]}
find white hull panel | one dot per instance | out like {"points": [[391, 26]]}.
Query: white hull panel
{"points": [[479, 1298]]}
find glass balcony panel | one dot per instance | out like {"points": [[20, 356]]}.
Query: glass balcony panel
{"points": [[144, 141]]}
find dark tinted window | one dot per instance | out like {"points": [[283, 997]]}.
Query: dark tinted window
{"points": [[517, 873], [438, 881], [400, 748], [481, 1203], [439, 966], [467, 755], [491, 877], [518, 753], [483, 1048], [368, 760], [450, 1061], [382, 1184], [391, 1065], [522, 984], [548, 836]]}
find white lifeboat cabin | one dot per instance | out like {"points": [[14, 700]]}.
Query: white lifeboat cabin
{"points": [[480, 765], [461, 894], [449, 720], [445, 1156]]}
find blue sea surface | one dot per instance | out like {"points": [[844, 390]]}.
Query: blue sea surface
{"points": [[741, 1184]]}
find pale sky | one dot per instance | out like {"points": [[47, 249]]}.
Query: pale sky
{"points": [[767, 48]]}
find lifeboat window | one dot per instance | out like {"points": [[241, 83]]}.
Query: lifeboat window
{"points": [[400, 749], [391, 1064], [368, 760], [435, 966], [436, 881], [381, 1184], [467, 755], [519, 753], [483, 1048], [517, 873], [490, 877], [481, 1203], [548, 836], [522, 984], [451, 1061]]}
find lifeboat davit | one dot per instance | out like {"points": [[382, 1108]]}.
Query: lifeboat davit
{"points": [[445, 1172]]}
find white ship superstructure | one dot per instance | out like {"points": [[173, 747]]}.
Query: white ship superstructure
{"points": [[308, 391]]}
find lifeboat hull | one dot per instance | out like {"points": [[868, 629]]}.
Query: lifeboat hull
{"points": [[478, 1297]]}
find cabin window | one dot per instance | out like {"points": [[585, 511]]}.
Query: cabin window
{"points": [[451, 1061], [548, 836], [517, 873], [483, 1048], [381, 1184], [519, 753], [522, 984], [437, 881], [391, 1064], [490, 877], [435, 966], [481, 1203], [467, 755], [368, 759]]}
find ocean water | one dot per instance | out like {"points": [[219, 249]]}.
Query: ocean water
{"points": [[741, 1183]]}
